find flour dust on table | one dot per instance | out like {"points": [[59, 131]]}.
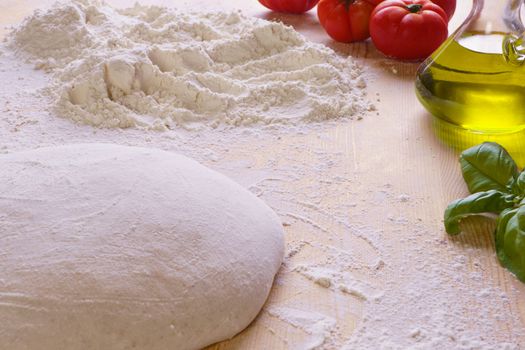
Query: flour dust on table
{"points": [[113, 247], [154, 67]]}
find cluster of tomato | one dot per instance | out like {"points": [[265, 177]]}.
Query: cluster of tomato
{"points": [[404, 29]]}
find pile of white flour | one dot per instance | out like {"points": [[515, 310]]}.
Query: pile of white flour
{"points": [[154, 67]]}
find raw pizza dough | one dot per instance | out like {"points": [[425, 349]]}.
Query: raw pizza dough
{"points": [[113, 247]]}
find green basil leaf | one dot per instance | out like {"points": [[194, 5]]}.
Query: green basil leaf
{"points": [[475, 204], [501, 230], [518, 187], [510, 241], [488, 167]]}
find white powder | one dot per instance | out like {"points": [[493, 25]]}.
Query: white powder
{"points": [[154, 67], [335, 277], [319, 328], [409, 285]]}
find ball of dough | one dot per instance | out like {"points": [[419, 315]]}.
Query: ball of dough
{"points": [[112, 247]]}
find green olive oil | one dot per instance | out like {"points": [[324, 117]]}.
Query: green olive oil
{"points": [[469, 84]]}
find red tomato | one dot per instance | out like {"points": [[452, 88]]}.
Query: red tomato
{"points": [[408, 29], [290, 6], [448, 5], [346, 20]]}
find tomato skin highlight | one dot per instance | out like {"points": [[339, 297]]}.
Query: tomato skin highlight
{"points": [[346, 20], [289, 6], [399, 33], [448, 5]]}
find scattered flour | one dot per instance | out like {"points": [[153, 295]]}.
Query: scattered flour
{"points": [[154, 67], [335, 277], [419, 291], [320, 328]]}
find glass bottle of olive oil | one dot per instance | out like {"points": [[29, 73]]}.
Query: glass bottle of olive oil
{"points": [[476, 79]]}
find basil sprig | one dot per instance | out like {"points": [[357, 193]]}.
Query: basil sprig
{"points": [[497, 187]]}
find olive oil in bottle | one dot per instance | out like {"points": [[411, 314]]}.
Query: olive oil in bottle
{"points": [[470, 84]]}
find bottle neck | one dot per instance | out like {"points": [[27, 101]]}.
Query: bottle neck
{"points": [[496, 16], [512, 16], [495, 27]]}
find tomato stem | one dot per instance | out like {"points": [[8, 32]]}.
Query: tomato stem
{"points": [[348, 3], [414, 8]]}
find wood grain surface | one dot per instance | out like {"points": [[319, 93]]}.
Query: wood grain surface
{"points": [[397, 143]]}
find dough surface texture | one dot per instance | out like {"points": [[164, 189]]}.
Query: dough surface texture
{"points": [[114, 247]]}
